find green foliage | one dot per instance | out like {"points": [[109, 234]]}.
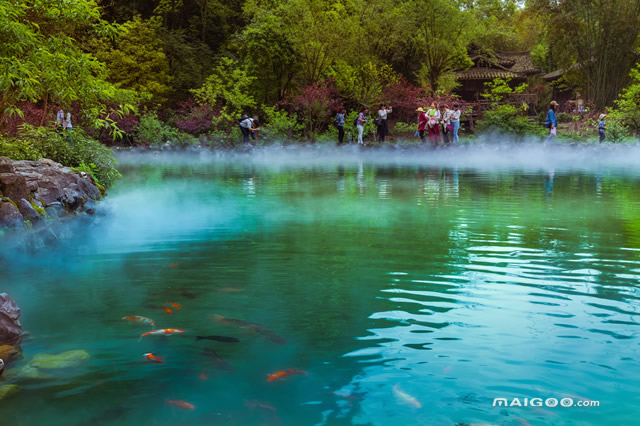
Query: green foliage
{"points": [[281, 125], [228, 86], [508, 119], [136, 59], [564, 117], [500, 89], [79, 150], [42, 59], [154, 132], [627, 111], [405, 129]]}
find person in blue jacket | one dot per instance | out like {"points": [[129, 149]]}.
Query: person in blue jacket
{"points": [[552, 121], [602, 127]]}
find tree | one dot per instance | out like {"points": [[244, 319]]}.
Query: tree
{"points": [[228, 87], [440, 31], [40, 59], [136, 59], [596, 41]]}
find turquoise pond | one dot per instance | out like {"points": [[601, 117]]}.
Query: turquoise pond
{"points": [[413, 288]]}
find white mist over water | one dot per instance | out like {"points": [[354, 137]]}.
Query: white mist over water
{"points": [[524, 156]]}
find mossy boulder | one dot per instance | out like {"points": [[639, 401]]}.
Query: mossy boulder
{"points": [[8, 390], [69, 359]]}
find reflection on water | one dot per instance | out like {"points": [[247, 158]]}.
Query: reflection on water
{"points": [[410, 292]]}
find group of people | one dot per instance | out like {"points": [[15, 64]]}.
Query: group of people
{"points": [[441, 124], [552, 122], [63, 121]]}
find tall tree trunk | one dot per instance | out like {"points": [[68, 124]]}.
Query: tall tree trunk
{"points": [[45, 109]]}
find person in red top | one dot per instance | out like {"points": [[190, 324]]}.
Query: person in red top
{"points": [[422, 124]]}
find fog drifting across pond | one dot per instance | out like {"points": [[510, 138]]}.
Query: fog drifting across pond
{"points": [[498, 156]]}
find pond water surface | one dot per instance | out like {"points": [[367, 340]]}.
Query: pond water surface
{"points": [[412, 288]]}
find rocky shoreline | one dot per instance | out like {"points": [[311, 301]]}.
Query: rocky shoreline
{"points": [[36, 194]]}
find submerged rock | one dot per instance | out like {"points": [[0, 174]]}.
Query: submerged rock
{"points": [[8, 390], [69, 359], [10, 216], [7, 352], [10, 327]]}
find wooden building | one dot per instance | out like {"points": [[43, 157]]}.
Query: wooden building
{"points": [[486, 68]]}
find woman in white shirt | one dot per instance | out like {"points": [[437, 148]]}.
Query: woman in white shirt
{"points": [[434, 124], [455, 123], [381, 122]]}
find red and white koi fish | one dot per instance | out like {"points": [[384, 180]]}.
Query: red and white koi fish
{"points": [[181, 404], [405, 398], [139, 319], [175, 305], [284, 373], [152, 357], [163, 332]]}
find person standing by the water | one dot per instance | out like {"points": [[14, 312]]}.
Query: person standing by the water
{"points": [[246, 128], [455, 122], [445, 122], [381, 121], [422, 124], [254, 128], [67, 126], [340, 125], [434, 124], [552, 121], [360, 122], [59, 119], [602, 127]]}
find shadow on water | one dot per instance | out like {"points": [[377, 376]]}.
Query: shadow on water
{"points": [[413, 286]]}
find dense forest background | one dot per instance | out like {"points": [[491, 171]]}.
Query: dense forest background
{"points": [[177, 69]]}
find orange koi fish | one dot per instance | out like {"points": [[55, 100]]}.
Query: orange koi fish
{"points": [[143, 320], [175, 265], [203, 376], [152, 357], [284, 373], [175, 305], [405, 398], [181, 404], [258, 404], [162, 331], [167, 310]]}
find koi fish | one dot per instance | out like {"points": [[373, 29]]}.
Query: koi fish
{"points": [[181, 404], [152, 357], [218, 338], [272, 337], [258, 404], [218, 361], [284, 373], [229, 290], [175, 265], [203, 376], [175, 305], [186, 293], [405, 398], [143, 320], [162, 331], [167, 310], [236, 322]]}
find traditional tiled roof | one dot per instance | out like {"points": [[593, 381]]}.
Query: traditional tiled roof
{"points": [[484, 73], [504, 64]]}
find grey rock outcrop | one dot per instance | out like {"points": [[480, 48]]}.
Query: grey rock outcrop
{"points": [[30, 190], [10, 327]]}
